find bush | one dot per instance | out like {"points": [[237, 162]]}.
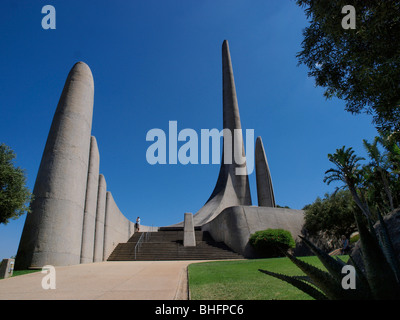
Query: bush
{"points": [[272, 242], [354, 238]]}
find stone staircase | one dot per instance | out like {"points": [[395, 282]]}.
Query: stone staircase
{"points": [[167, 244]]}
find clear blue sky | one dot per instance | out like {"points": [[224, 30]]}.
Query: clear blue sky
{"points": [[156, 61]]}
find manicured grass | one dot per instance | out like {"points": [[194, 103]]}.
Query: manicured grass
{"points": [[22, 272], [241, 280]]}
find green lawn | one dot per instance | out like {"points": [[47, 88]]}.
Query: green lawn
{"points": [[241, 280], [21, 272]]}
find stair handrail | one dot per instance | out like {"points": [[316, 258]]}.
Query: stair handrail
{"points": [[139, 243], [145, 236], [148, 233]]}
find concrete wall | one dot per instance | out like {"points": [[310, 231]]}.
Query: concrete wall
{"points": [[234, 225], [117, 228]]}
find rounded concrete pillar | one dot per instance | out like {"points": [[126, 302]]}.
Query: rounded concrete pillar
{"points": [[89, 219], [52, 233], [100, 217]]}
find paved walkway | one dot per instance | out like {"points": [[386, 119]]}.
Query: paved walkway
{"points": [[136, 280]]}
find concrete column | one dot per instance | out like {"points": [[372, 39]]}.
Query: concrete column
{"points": [[89, 219], [6, 268], [189, 239], [108, 244], [52, 233], [100, 216], [265, 191]]}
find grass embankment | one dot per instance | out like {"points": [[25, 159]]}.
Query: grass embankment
{"points": [[241, 280]]}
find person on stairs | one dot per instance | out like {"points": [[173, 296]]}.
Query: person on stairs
{"points": [[137, 224]]}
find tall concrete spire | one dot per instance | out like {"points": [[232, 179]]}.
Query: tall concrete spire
{"points": [[231, 121], [52, 232], [231, 188], [265, 191]]}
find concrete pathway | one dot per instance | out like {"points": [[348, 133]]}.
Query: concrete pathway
{"points": [[131, 280]]}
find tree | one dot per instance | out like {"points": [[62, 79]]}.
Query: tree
{"points": [[333, 215], [348, 170], [392, 157], [380, 277], [374, 186], [14, 195], [379, 169], [361, 65]]}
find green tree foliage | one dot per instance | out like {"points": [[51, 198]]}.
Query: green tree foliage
{"points": [[374, 185], [272, 242], [14, 195], [347, 170], [381, 174], [362, 65], [333, 215]]}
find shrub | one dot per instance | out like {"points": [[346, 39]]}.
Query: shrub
{"points": [[354, 238], [272, 242]]}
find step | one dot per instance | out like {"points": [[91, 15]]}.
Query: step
{"points": [[196, 228], [167, 244]]}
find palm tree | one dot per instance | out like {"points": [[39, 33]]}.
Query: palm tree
{"points": [[380, 165], [380, 278], [348, 171]]}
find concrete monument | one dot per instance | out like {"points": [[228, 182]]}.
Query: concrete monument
{"points": [[75, 219], [53, 231], [69, 223], [228, 214], [231, 189]]}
